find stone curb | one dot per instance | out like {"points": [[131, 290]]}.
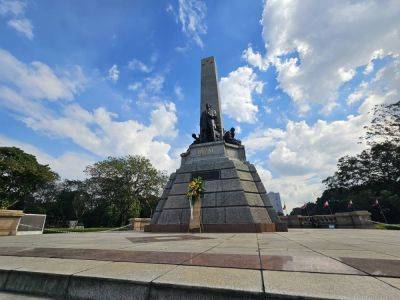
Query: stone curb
{"points": [[60, 286]]}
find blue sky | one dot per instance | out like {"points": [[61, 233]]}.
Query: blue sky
{"points": [[82, 80]]}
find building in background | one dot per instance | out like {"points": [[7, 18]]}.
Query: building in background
{"points": [[275, 199]]}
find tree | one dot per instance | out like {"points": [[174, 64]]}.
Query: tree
{"points": [[20, 177], [79, 197], [385, 125], [373, 174], [124, 184]]}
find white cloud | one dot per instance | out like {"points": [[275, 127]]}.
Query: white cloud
{"points": [[136, 64], [169, 8], [99, 131], [134, 86], [37, 80], [14, 10], [69, 165], [113, 73], [23, 26], [255, 59], [155, 84], [346, 75], [12, 7], [237, 94], [178, 92], [294, 190], [302, 155], [191, 16], [341, 37]]}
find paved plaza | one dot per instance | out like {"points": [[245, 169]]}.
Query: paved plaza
{"points": [[310, 263]]}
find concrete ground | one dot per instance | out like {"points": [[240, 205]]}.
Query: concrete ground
{"points": [[308, 263]]}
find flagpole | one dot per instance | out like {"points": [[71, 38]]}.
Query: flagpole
{"points": [[384, 217], [330, 209]]}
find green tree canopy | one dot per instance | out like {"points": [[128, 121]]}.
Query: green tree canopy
{"points": [[124, 184], [20, 177], [385, 125]]}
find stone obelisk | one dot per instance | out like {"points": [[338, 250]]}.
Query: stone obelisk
{"points": [[209, 91], [235, 199]]}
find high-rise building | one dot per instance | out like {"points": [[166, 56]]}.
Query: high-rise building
{"points": [[275, 199]]}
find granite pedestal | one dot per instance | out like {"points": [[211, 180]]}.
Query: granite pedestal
{"points": [[235, 199]]}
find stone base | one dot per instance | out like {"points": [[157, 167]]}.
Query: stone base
{"points": [[9, 221], [138, 224], [219, 228], [234, 200]]}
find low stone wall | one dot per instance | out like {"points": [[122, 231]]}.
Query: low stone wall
{"points": [[9, 221], [138, 224], [353, 219]]}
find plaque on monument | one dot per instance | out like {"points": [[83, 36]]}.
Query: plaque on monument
{"points": [[235, 199], [207, 175]]}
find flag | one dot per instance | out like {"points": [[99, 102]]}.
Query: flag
{"points": [[376, 203], [304, 206], [350, 204], [326, 204], [284, 206]]}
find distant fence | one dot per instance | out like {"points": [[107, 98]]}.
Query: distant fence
{"points": [[353, 219]]}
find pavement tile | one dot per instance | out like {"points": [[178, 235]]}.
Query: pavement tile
{"points": [[13, 262], [233, 250], [109, 255], [327, 286], [317, 264], [395, 282], [58, 266], [140, 272], [376, 267], [221, 278], [238, 261], [356, 254]]}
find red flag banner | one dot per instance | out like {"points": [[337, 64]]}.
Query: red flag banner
{"points": [[376, 203], [326, 204]]}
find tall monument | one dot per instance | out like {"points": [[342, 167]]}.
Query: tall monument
{"points": [[235, 199]]}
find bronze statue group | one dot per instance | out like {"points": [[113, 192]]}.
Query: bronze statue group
{"points": [[210, 130]]}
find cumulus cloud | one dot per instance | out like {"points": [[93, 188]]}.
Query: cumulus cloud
{"points": [[23, 88], [113, 73], [255, 59], [191, 16], [301, 155], [237, 90], [313, 59]]}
